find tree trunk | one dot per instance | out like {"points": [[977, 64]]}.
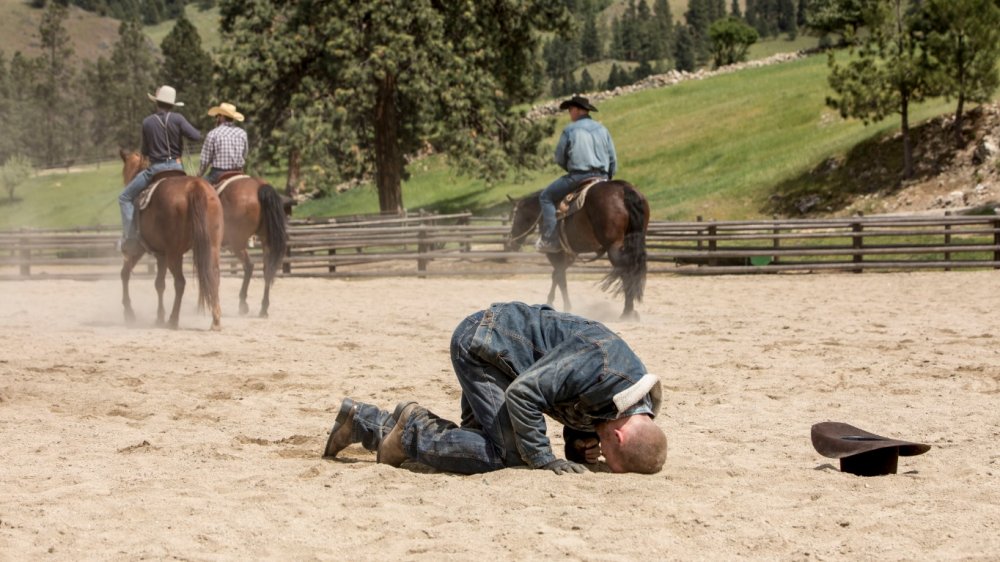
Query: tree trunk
{"points": [[388, 157], [294, 173], [959, 113], [904, 111], [960, 63]]}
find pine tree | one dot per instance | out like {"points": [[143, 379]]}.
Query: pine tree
{"points": [[6, 141], [358, 86], [23, 111], [97, 76], [56, 80], [886, 76], [963, 45], [664, 29], [188, 68], [590, 41], [134, 78], [734, 10], [586, 82], [685, 51]]}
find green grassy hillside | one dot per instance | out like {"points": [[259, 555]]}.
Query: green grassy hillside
{"points": [[205, 21], [716, 147]]}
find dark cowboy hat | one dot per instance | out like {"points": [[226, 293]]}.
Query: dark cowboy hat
{"points": [[861, 452], [578, 101]]}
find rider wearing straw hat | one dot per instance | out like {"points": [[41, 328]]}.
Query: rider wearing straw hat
{"points": [[162, 145], [225, 147]]}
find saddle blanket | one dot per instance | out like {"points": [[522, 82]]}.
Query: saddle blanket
{"points": [[147, 194], [575, 200], [225, 183]]}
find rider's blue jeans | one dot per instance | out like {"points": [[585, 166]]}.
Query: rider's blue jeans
{"points": [[127, 198], [551, 196]]}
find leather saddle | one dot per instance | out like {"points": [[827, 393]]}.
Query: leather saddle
{"points": [[574, 201]]}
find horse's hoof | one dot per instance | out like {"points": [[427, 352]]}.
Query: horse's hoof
{"points": [[244, 309], [630, 316], [263, 314], [129, 317]]}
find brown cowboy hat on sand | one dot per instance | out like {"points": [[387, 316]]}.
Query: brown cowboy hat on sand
{"points": [[861, 452], [167, 95], [226, 110], [578, 101]]}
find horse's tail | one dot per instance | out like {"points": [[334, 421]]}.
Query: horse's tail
{"points": [[629, 275], [275, 230], [207, 234]]}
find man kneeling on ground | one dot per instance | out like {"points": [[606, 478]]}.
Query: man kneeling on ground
{"points": [[517, 363]]}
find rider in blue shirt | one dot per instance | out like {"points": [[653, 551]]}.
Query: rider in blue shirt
{"points": [[585, 150]]}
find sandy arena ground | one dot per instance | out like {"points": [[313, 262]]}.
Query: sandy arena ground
{"points": [[141, 443]]}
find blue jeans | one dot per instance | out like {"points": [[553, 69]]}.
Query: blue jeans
{"points": [[485, 440], [551, 196], [127, 198]]}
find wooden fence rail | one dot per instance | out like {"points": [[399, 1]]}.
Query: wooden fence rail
{"points": [[459, 244]]}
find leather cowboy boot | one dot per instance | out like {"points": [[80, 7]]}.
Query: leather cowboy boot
{"points": [[343, 429], [390, 450]]}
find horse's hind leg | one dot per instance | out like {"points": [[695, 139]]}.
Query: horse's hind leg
{"points": [[176, 266], [619, 261], [161, 285], [244, 258], [265, 302], [126, 274]]}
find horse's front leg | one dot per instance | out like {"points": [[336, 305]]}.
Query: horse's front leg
{"points": [[126, 275], [560, 264], [176, 266], [161, 285]]}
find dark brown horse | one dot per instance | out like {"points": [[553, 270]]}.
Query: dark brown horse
{"points": [[251, 206], [613, 220], [183, 214]]}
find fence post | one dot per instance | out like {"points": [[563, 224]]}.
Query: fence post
{"points": [[699, 219], [25, 258], [947, 239], [286, 266], [465, 221], [712, 244], [996, 242], [332, 267], [857, 243], [777, 242], [422, 249]]}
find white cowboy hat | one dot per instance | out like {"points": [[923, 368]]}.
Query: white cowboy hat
{"points": [[166, 94], [226, 110]]}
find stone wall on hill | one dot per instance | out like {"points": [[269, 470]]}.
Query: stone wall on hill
{"points": [[551, 108]]}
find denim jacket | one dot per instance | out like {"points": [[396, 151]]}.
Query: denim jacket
{"points": [[586, 146], [575, 370]]}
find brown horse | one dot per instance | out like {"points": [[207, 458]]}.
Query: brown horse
{"points": [[184, 213], [613, 220], [251, 206]]}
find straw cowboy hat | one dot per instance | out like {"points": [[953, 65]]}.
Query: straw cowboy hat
{"points": [[861, 452], [578, 101], [166, 94], [226, 110]]}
